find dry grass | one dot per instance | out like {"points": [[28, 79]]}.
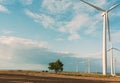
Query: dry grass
{"points": [[68, 74], [84, 74], [62, 75]]}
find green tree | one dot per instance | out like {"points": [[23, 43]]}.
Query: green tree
{"points": [[56, 66]]}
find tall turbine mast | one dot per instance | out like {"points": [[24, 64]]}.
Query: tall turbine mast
{"points": [[105, 25], [104, 45], [113, 63], [114, 66], [111, 46]]}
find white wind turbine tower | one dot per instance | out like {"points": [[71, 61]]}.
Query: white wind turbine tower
{"points": [[113, 60], [114, 66], [77, 65], [105, 25]]}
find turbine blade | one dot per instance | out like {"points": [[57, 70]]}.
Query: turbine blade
{"points": [[116, 49], [98, 8], [109, 35], [108, 50], [114, 6]]}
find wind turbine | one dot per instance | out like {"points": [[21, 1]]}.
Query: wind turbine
{"points": [[113, 60], [105, 25], [77, 65], [88, 66]]}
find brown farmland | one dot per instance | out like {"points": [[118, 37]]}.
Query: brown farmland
{"points": [[37, 77]]}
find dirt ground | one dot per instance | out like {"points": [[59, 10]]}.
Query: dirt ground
{"points": [[16, 78]]}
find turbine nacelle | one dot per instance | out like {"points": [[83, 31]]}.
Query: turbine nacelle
{"points": [[103, 13]]}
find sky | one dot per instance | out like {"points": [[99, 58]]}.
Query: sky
{"points": [[36, 32]]}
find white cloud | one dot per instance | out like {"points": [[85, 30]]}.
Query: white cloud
{"points": [[100, 3], [25, 54], [26, 2], [94, 23], [83, 16], [31, 14], [13, 66], [63, 52], [20, 53], [56, 6], [93, 55], [9, 45], [94, 15], [4, 9], [20, 42], [78, 22], [94, 18], [10, 2], [82, 8], [74, 36], [115, 14], [43, 19], [6, 32], [92, 28]]}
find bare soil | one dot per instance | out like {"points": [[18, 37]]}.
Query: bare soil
{"points": [[51, 78]]}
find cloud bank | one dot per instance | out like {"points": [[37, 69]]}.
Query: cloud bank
{"points": [[25, 54]]}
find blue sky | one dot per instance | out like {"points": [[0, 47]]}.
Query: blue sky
{"points": [[36, 32]]}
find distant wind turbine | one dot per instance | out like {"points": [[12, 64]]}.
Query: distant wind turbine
{"points": [[105, 25], [113, 66], [77, 65], [88, 66]]}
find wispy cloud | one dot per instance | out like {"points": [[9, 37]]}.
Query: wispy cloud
{"points": [[115, 14], [43, 19], [74, 36], [94, 23], [26, 2], [100, 3], [19, 42], [56, 6], [70, 27], [74, 25], [7, 1], [4, 9], [14, 66], [6, 32], [82, 17]]}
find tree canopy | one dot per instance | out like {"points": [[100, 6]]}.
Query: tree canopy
{"points": [[56, 66]]}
